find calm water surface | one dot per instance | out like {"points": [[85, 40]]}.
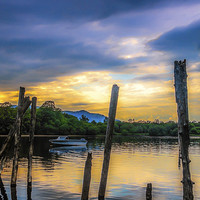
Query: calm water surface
{"points": [[58, 172]]}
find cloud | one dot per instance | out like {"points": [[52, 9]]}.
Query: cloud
{"points": [[38, 60], [12, 11], [73, 51], [41, 41], [80, 104], [180, 43], [152, 77]]}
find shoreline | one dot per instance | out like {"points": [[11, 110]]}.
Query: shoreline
{"points": [[142, 136]]}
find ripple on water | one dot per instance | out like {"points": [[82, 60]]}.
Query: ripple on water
{"points": [[58, 172]]}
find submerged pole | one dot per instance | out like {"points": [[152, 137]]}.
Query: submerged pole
{"points": [[31, 140], [87, 177], [149, 191], [180, 76], [108, 141]]}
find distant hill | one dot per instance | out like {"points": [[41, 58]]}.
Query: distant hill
{"points": [[91, 116]]}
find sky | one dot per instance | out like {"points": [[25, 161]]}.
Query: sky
{"points": [[72, 52]]}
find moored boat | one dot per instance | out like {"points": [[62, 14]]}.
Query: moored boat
{"points": [[64, 140]]}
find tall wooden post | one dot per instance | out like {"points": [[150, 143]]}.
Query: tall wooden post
{"points": [[108, 141], [17, 136], [31, 140], [21, 111], [180, 76], [87, 177]]}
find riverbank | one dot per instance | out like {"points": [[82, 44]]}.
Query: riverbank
{"points": [[115, 136]]}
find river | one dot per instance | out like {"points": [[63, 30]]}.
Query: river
{"points": [[135, 161]]}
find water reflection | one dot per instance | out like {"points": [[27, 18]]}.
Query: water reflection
{"points": [[3, 190], [58, 171], [13, 193], [68, 149], [29, 191]]}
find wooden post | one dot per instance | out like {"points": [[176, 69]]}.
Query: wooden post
{"points": [[31, 140], [149, 191], [87, 177], [180, 76], [108, 141], [7, 143], [17, 136]]}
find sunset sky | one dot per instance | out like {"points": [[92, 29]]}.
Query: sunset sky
{"points": [[72, 52]]}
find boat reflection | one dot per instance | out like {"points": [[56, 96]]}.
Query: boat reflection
{"points": [[67, 149]]}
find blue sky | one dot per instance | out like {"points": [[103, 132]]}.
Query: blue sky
{"points": [[76, 50]]}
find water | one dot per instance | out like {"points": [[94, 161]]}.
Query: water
{"points": [[58, 172]]}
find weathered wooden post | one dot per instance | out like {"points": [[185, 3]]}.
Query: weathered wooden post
{"points": [[180, 76], [17, 136], [31, 140], [87, 177], [21, 111], [108, 141], [149, 191]]}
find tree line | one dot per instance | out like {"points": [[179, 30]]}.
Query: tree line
{"points": [[56, 122]]}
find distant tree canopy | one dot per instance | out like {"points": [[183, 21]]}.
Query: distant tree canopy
{"points": [[55, 122]]}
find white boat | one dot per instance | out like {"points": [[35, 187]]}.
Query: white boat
{"points": [[64, 140]]}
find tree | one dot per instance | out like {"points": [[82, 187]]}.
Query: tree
{"points": [[84, 118]]}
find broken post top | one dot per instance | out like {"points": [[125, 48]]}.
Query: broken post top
{"points": [[113, 102], [115, 86], [180, 80], [180, 62], [89, 155], [21, 96], [34, 98]]}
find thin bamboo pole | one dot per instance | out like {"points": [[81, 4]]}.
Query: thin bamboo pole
{"points": [[31, 140]]}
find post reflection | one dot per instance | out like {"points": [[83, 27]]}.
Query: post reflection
{"points": [[3, 190], [29, 191], [13, 192]]}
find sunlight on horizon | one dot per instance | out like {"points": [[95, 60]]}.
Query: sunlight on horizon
{"points": [[90, 91]]}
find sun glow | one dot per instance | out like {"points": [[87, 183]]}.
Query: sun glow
{"points": [[138, 98]]}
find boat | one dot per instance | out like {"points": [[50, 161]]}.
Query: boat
{"points": [[64, 140]]}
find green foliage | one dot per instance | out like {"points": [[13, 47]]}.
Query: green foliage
{"points": [[49, 121], [56, 122], [7, 119], [157, 130]]}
